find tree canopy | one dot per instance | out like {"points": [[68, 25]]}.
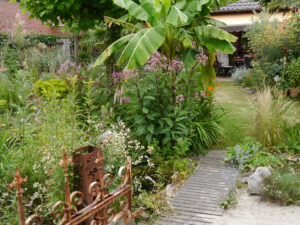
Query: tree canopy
{"points": [[275, 4], [79, 15]]}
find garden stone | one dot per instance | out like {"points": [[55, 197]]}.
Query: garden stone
{"points": [[170, 192], [255, 181]]}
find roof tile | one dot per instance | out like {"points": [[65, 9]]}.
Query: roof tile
{"points": [[241, 5]]}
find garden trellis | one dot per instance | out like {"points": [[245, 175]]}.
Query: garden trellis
{"points": [[98, 212]]}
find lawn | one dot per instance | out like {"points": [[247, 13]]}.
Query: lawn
{"points": [[239, 115]]}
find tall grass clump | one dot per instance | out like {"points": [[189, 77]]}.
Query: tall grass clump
{"points": [[272, 116]]}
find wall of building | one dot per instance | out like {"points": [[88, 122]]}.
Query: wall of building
{"points": [[10, 15]]}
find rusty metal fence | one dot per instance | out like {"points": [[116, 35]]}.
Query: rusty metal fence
{"points": [[73, 211]]}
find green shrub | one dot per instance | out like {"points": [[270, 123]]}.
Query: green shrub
{"points": [[168, 105], [272, 116], [50, 88], [284, 186], [242, 154], [293, 73], [47, 39]]}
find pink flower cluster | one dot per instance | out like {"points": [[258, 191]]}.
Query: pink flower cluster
{"points": [[201, 58], [199, 95], [124, 99], [156, 62], [120, 76], [177, 65], [179, 98], [65, 67]]}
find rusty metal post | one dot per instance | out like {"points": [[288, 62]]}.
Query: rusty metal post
{"points": [[18, 182]]}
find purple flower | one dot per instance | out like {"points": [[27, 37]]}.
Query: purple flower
{"points": [[201, 58], [126, 75], [200, 95], [177, 66], [179, 98], [65, 67]]}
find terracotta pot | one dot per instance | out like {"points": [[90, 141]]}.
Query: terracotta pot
{"points": [[294, 92]]}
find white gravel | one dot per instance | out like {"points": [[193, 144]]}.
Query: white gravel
{"points": [[250, 210]]}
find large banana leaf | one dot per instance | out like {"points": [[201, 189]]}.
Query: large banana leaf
{"points": [[215, 38], [215, 32], [224, 46], [176, 17], [134, 9], [141, 47], [112, 48], [109, 21]]}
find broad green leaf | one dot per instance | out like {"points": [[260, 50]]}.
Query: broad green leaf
{"points": [[187, 43], [180, 4], [189, 58], [223, 46], [111, 49], [133, 9], [213, 21], [214, 32], [145, 110], [109, 20], [201, 3], [176, 17], [141, 47], [151, 129]]}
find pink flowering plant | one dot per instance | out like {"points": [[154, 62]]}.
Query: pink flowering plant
{"points": [[166, 101]]}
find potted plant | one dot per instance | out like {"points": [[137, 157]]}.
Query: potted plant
{"points": [[293, 77]]}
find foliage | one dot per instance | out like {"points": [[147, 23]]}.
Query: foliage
{"points": [[291, 143], [271, 39], [265, 158], [167, 104], [275, 44], [293, 73], [283, 185], [169, 26], [250, 154], [272, 116], [283, 4], [242, 154], [50, 88], [47, 39], [76, 15]]}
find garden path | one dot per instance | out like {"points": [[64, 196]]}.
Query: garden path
{"points": [[197, 203]]}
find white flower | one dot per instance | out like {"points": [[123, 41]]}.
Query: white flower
{"points": [[276, 78]]}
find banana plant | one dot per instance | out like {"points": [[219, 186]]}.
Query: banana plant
{"points": [[166, 25]]}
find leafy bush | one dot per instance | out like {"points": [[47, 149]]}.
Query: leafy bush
{"points": [[272, 116], [270, 39], [242, 154], [293, 73], [240, 75], [50, 88], [167, 103], [284, 186], [264, 158]]}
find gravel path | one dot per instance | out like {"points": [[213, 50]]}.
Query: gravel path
{"points": [[250, 210]]}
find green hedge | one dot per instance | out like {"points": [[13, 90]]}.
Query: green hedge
{"points": [[34, 38]]}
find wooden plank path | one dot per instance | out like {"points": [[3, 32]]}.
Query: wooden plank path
{"points": [[197, 203]]}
